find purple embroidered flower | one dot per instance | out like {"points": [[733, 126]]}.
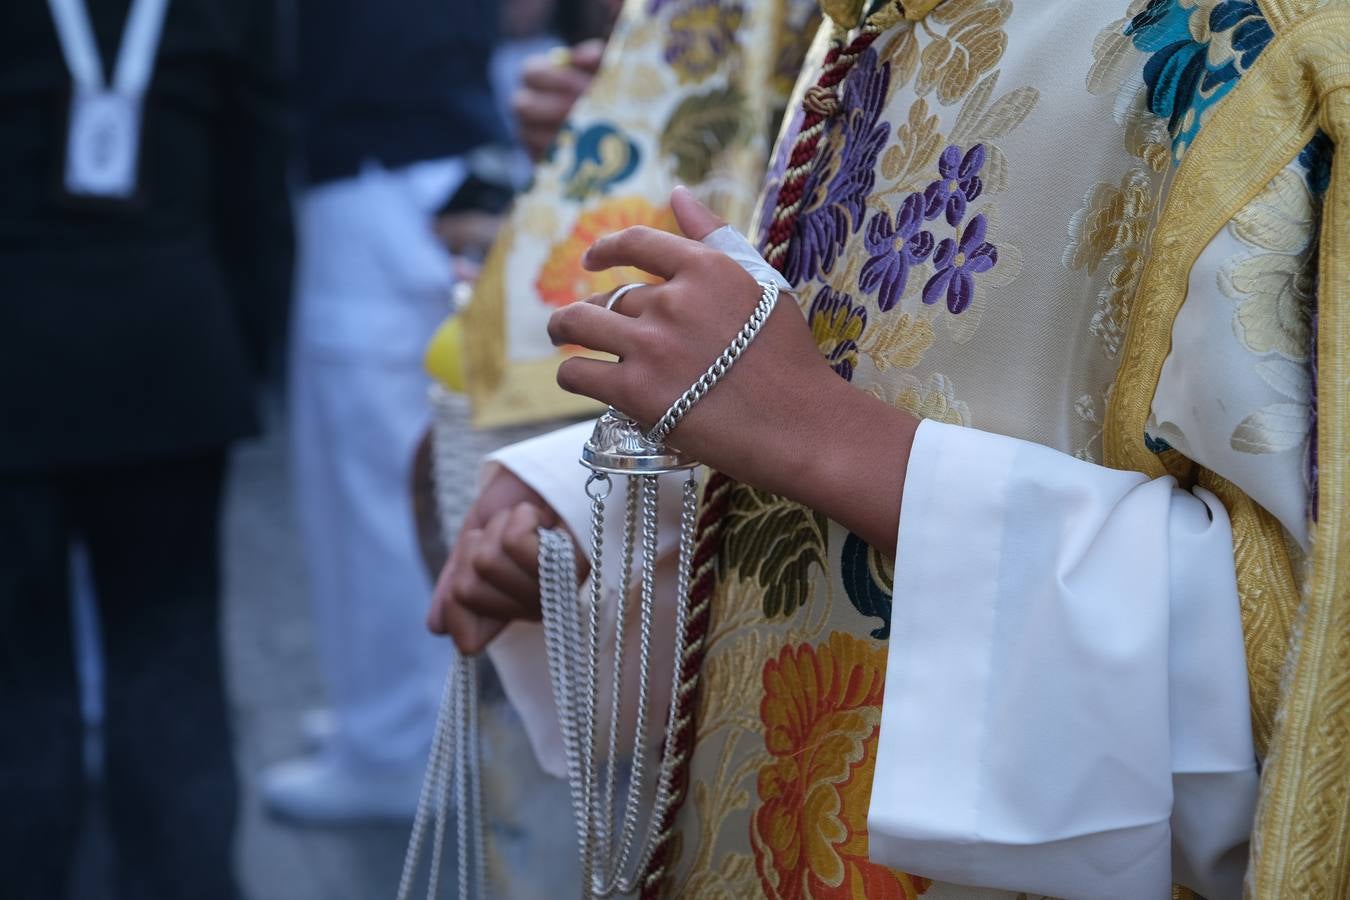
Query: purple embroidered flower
{"points": [[700, 35], [959, 185], [894, 246], [836, 190], [958, 264], [837, 323]]}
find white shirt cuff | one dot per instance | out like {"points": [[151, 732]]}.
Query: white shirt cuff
{"points": [[1028, 737]]}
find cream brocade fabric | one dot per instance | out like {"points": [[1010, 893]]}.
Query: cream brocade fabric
{"points": [[690, 93], [979, 267]]}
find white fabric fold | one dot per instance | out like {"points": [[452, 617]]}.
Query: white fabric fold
{"points": [[1066, 697]]}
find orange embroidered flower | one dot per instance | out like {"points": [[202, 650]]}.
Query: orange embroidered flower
{"points": [[562, 279], [821, 712]]}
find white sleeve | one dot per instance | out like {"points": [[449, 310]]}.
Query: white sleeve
{"points": [[549, 464], [1066, 707]]}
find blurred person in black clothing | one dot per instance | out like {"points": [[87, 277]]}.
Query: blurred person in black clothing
{"points": [[137, 299], [394, 99]]}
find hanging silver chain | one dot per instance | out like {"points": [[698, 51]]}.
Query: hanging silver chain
{"points": [[615, 854], [572, 644], [454, 764]]}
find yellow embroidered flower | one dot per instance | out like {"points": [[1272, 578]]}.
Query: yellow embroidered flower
{"points": [[973, 45], [1111, 218], [837, 324], [934, 400], [821, 712], [562, 279], [1110, 230], [1273, 289]]}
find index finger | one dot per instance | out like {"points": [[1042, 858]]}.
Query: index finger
{"points": [[649, 249]]}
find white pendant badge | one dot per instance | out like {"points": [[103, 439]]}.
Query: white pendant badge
{"points": [[103, 136], [103, 145]]}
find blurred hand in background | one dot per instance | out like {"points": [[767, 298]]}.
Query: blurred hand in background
{"points": [[551, 84]]}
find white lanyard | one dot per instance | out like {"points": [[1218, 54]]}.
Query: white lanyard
{"points": [[103, 143], [135, 56]]}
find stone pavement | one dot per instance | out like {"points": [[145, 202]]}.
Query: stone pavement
{"points": [[273, 679]]}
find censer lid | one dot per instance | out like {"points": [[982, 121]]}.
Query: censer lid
{"points": [[618, 446]]}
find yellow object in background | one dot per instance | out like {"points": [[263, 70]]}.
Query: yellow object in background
{"points": [[444, 360]]}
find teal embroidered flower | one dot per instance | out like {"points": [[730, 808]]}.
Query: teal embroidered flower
{"points": [[1185, 76]]}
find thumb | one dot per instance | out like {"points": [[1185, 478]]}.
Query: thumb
{"points": [[695, 220]]}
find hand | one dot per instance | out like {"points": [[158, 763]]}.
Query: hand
{"points": [[548, 91], [492, 576], [666, 335], [780, 419]]}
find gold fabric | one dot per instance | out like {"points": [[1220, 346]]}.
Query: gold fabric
{"points": [[696, 101], [1298, 655]]}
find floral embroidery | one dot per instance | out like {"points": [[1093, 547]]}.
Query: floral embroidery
{"points": [[1112, 230], [1273, 289], [899, 342], [1198, 50], [700, 130], [837, 189], [821, 715], [562, 279], [958, 185], [957, 264], [602, 157], [869, 582], [894, 245], [1090, 411], [934, 399], [1282, 425], [837, 323], [774, 543], [699, 35], [800, 748], [973, 44]]}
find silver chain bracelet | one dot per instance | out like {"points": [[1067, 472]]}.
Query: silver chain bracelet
{"points": [[680, 408]]}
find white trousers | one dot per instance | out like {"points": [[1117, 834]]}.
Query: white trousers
{"points": [[372, 284]]}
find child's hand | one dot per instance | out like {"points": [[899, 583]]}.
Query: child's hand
{"points": [[666, 336]]}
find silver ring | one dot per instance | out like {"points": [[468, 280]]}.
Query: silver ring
{"points": [[619, 293]]}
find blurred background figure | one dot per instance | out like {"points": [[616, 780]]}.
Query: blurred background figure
{"points": [[144, 254], [393, 100]]}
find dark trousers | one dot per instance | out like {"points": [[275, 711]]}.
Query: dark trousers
{"points": [[152, 533]]}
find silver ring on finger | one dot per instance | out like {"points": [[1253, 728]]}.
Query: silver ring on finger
{"points": [[619, 293]]}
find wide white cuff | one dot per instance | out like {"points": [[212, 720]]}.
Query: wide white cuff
{"points": [[1034, 716], [549, 465]]}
